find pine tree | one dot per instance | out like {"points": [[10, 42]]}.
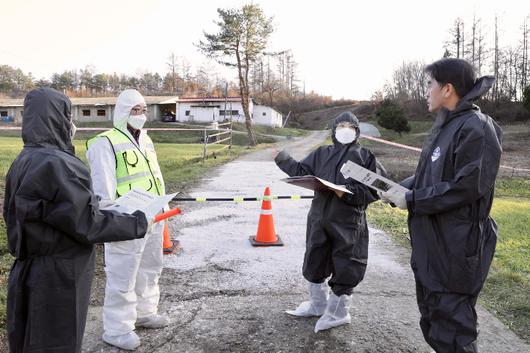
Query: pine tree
{"points": [[392, 117]]}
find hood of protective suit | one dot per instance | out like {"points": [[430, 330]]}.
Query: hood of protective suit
{"points": [[349, 117], [482, 85], [126, 101], [47, 119]]}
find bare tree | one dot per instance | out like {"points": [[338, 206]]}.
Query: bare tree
{"points": [[455, 44], [496, 59], [482, 50], [472, 44], [85, 78], [271, 84], [524, 57], [409, 81], [172, 64], [242, 38]]}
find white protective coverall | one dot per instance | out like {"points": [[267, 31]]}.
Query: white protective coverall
{"points": [[133, 267]]}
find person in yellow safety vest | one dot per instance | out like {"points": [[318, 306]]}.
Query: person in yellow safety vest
{"points": [[121, 159]]}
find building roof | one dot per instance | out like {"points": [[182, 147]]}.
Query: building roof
{"points": [[269, 107], [95, 101], [11, 102], [112, 100], [208, 99]]}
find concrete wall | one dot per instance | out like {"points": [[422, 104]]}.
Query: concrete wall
{"points": [[153, 113], [77, 113], [264, 115], [211, 111], [14, 113]]}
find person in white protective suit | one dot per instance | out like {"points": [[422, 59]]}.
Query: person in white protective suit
{"points": [[121, 159]]}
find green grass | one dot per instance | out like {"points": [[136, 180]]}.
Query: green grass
{"points": [[506, 292], [181, 165], [515, 187], [268, 130], [415, 137], [391, 220]]}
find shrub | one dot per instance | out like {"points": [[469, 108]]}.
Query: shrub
{"points": [[391, 116]]}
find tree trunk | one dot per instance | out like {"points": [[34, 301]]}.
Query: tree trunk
{"points": [[244, 92]]}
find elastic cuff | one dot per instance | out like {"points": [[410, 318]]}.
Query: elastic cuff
{"points": [[282, 156], [409, 197]]}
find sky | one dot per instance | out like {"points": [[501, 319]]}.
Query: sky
{"points": [[344, 48]]}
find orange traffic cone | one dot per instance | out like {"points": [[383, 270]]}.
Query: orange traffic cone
{"points": [[170, 246], [266, 235]]}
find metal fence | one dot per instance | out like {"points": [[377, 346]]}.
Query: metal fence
{"points": [[222, 136]]}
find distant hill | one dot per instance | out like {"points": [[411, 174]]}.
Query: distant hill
{"points": [[321, 119]]}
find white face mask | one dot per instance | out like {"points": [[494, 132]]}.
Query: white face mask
{"points": [[73, 129], [137, 121], [345, 135]]}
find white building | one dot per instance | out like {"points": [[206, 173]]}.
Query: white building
{"points": [[210, 109], [91, 109], [264, 115], [199, 110]]}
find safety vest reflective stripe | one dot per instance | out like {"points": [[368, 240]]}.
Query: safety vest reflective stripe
{"points": [[120, 147], [132, 177]]}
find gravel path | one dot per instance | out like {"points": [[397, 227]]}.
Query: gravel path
{"points": [[223, 295]]}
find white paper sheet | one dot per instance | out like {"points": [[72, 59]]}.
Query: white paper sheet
{"points": [[371, 179], [313, 183], [144, 201], [334, 186]]}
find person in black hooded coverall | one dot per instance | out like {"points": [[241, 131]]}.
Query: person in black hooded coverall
{"points": [[337, 232], [452, 235], [53, 220]]}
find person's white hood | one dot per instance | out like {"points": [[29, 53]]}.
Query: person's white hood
{"points": [[126, 101]]}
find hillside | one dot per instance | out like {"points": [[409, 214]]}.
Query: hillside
{"points": [[320, 119]]}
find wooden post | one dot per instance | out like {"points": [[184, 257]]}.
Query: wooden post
{"points": [[204, 151]]}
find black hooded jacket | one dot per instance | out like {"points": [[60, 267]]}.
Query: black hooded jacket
{"points": [[53, 220], [453, 238], [325, 162]]}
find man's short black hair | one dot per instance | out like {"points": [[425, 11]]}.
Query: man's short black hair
{"points": [[458, 72]]}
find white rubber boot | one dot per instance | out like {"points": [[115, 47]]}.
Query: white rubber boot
{"points": [[129, 341], [318, 299], [337, 313], [153, 321]]}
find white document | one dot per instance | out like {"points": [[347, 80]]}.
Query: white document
{"points": [[334, 186], [371, 179], [139, 200], [311, 182]]}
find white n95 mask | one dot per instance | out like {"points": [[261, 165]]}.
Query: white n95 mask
{"points": [[345, 135], [137, 121]]}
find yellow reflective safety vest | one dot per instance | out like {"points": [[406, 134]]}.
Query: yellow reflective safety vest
{"points": [[134, 168]]}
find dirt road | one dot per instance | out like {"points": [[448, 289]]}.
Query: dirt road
{"points": [[225, 296]]}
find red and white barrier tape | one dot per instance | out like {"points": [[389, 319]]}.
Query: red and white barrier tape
{"points": [[400, 145]]}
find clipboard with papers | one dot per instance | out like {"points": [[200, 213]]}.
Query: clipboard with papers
{"points": [[144, 201], [312, 182], [372, 180]]}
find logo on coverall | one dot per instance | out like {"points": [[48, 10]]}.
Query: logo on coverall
{"points": [[435, 154]]}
